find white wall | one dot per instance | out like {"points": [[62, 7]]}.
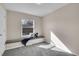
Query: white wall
{"points": [[64, 22], [2, 29], [14, 24]]}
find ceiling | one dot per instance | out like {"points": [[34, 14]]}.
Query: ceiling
{"points": [[42, 9]]}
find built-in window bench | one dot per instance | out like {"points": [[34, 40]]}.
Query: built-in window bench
{"points": [[11, 44]]}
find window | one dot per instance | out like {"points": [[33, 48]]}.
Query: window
{"points": [[27, 27]]}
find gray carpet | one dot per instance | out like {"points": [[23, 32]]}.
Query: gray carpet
{"points": [[34, 51]]}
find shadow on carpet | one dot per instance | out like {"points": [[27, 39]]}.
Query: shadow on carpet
{"points": [[34, 51]]}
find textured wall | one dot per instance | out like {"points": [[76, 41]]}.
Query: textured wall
{"points": [[64, 22], [2, 29], [14, 24]]}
